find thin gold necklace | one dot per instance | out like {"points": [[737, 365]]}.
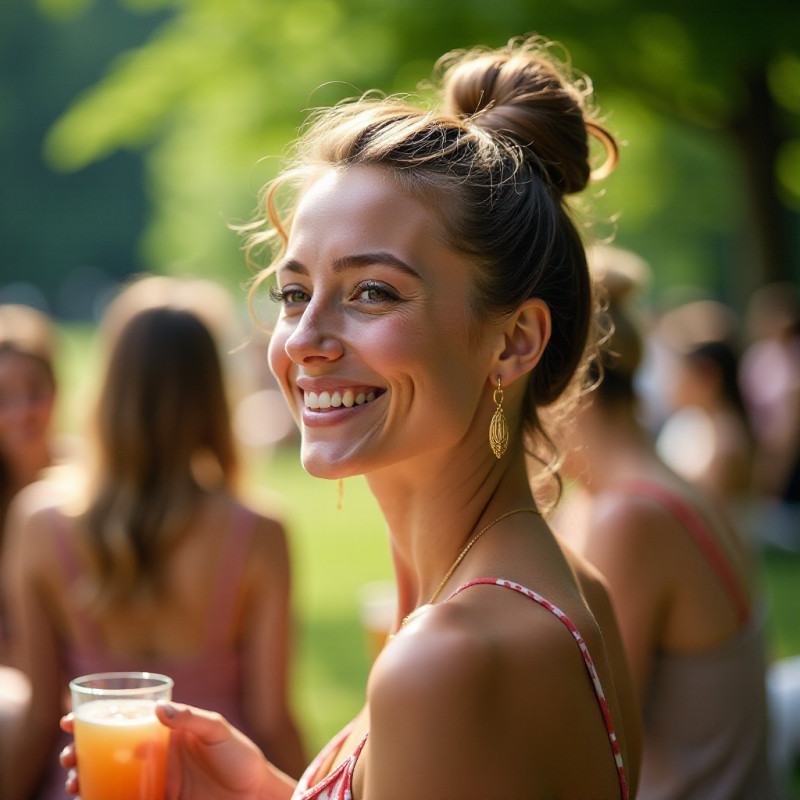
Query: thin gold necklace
{"points": [[468, 546], [460, 557]]}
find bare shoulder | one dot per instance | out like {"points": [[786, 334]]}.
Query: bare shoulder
{"points": [[480, 702], [29, 544], [268, 558], [34, 512], [269, 532], [633, 528]]}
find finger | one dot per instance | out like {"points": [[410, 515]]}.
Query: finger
{"points": [[67, 757], [71, 784], [67, 723], [210, 727]]}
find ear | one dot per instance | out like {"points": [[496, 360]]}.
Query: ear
{"points": [[526, 336]]}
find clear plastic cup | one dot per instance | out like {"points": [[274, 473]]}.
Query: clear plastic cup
{"points": [[120, 744]]}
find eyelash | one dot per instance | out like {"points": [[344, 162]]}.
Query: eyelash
{"points": [[388, 295], [283, 295]]}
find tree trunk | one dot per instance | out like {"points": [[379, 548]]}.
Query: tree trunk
{"points": [[756, 134]]}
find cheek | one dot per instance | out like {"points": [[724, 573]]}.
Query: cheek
{"points": [[281, 366], [278, 360]]}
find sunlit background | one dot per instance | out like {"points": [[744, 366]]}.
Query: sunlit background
{"points": [[133, 134]]}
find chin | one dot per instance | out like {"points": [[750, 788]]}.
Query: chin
{"points": [[325, 465]]}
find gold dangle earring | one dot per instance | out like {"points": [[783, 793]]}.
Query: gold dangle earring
{"points": [[340, 496], [498, 429]]}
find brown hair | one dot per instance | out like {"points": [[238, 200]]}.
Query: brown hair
{"points": [[619, 276], [498, 161], [162, 411]]}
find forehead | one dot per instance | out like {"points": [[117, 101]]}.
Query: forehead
{"points": [[364, 209]]}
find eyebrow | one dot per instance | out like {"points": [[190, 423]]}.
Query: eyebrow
{"points": [[353, 262]]}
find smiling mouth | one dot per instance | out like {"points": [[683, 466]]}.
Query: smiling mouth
{"points": [[325, 401]]}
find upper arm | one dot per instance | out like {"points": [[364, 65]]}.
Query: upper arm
{"points": [[426, 740], [266, 630], [28, 581], [626, 545], [454, 714]]}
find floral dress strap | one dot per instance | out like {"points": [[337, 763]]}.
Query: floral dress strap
{"points": [[587, 660], [338, 783]]}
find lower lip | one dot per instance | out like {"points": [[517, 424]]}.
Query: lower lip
{"points": [[313, 418]]}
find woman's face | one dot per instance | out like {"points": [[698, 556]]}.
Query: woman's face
{"points": [[26, 402], [373, 348]]}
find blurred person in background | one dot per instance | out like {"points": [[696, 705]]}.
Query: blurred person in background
{"points": [[27, 400], [159, 565], [680, 581], [706, 438], [770, 382]]}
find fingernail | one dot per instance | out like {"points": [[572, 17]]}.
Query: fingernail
{"points": [[169, 709]]}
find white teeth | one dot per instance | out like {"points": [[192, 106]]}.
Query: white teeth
{"points": [[336, 399]]}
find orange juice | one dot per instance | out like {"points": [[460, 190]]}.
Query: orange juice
{"points": [[122, 750]]}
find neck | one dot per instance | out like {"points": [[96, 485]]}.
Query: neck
{"points": [[27, 465], [432, 510], [615, 447]]}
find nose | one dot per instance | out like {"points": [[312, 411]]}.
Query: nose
{"points": [[315, 338]]}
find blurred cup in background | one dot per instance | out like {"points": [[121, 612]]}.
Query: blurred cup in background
{"points": [[377, 603]]}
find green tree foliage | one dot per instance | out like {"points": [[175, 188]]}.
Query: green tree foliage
{"points": [[706, 95]]}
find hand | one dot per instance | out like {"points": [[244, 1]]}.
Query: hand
{"points": [[208, 759]]}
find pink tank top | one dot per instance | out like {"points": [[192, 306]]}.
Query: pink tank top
{"points": [[697, 528], [338, 784]]}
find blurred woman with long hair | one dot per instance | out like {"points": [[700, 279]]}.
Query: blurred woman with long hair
{"points": [[160, 567], [681, 581]]}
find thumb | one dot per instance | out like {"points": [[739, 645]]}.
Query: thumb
{"points": [[208, 726]]}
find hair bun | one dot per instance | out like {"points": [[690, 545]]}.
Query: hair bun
{"points": [[523, 93]]}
